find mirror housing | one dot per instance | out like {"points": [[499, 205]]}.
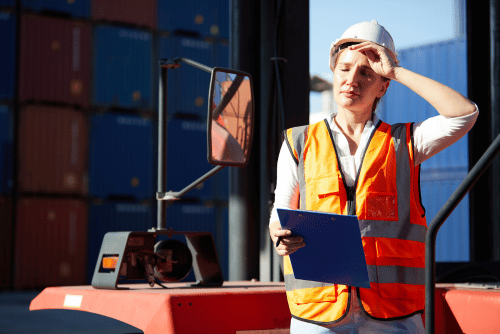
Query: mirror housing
{"points": [[230, 118]]}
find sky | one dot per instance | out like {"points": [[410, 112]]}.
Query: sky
{"points": [[410, 23]]}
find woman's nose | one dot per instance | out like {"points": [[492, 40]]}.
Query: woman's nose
{"points": [[352, 78]]}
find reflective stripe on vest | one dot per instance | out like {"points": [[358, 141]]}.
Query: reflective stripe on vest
{"points": [[391, 221]]}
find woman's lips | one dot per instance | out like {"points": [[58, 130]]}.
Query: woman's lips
{"points": [[349, 94]]}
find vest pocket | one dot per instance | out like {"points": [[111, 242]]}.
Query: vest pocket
{"points": [[381, 206], [323, 193], [327, 293]]}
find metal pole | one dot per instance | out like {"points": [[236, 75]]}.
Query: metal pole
{"points": [[162, 145], [446, 210], [243, 193], [495, 121]]}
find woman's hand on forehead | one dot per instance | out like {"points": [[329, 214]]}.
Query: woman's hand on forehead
{"points": [[381, 60]]}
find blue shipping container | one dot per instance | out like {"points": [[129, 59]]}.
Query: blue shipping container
{"points": [[187, 157], [8, 54], [121, 157], [10, 3], [445, 62], [197, 217], [122, 68], [188, 87], [452, 242], [76, 8], [6, 146], [114, 217], [197, 17]]}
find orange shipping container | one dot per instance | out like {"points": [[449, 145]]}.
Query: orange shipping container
{"points": [[140, 13], [51, 238], [52, 150], [55, 60], [5, 241]]}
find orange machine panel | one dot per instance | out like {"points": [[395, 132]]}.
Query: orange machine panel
{"points": [[235, 307]]}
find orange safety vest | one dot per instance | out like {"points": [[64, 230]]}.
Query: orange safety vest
{"points": [[386, 199]]}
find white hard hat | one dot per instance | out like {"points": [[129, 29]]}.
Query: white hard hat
{"points": [[364, 32]]}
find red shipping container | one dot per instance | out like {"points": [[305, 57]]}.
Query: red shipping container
{"points": [[51, 239], [52, 150], [55, 60], [5, 241], [140, 13]]}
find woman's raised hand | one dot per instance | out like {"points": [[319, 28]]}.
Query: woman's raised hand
{"points": [[381, 60]]}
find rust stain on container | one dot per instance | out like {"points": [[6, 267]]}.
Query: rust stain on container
{"points": [[52, 150], [5, 241], [55, 60], [51, 238], [139, 13]]}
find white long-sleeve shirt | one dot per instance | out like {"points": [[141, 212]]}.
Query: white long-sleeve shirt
{"points": [[429, 138]]}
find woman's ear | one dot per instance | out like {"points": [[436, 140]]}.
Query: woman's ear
{"points": [[383, 88]]}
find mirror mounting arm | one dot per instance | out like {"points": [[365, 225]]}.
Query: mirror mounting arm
{"points": [[173, 196], [174, 63]]}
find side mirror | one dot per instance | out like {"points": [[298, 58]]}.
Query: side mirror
{"points": [[230, 118]]}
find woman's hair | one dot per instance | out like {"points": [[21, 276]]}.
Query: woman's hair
{"points": [[335, 58]]}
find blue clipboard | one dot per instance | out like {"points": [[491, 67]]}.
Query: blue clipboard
{"points": [[333, 252]]}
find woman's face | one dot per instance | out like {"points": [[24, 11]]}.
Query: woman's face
{"points": [[355, 84]]}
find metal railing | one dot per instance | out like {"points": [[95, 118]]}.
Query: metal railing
{"points": [[430, 240]]}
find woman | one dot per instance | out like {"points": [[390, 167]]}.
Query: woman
{"points": [[353, 163]]}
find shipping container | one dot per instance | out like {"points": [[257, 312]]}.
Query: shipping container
{"points": [[121, 157], [192, 17], [8, 54], [74, 8], [188, 87], [55, 60], [453, 238], [5, 241], [194, 217], [122, 68], [52, 150], [7, 3], [51, 242], [139, 13], [6, 147], [107, 217], [187, 157], [221, 56]]}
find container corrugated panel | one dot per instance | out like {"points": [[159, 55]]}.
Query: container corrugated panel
{"points": [[76, 8], [221, 58], [6, 147], [55, 60], [51, 242], [121, 157], [193, 217], [7, 3], [195, 17], [188, 86], [52, 151], [122, 67], [452, 243], [187, 157], [8, 54], [221, 19], [5, 241], [107, 217], [139, 13]]}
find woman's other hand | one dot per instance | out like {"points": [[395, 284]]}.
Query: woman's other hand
{"points": [[288, 244]]}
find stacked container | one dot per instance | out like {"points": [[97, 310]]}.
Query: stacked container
{"points": [[55, 61], [445, 62], [85, 119], [8, 54]]}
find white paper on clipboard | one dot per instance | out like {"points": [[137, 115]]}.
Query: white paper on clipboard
{"points": [[333, 252]]}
